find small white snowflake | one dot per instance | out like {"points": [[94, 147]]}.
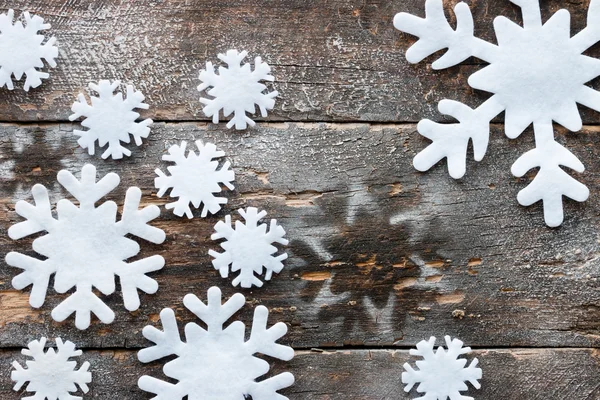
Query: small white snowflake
{"points": [[194, 179], [237, 89], [51, 375], [216, 362], [441, 374], [22, 51], [110, 119], [85, 247], [248, 248], [537, 74]]}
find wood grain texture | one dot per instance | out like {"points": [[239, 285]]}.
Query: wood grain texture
{"points": [[369, 374], [348, 63], [379, 255]]}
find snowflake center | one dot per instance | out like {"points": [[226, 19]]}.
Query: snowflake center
{"points": [[114, 118], [200, 177], [50, 370], [98, 246], [28, 44], [244, 245], [222, 364]]}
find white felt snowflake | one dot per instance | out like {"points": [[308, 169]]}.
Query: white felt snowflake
{"points": [[442, 374], [194, 179], [248, 248], [216, 363], [237, 89], [537, 74], [85, 247], [51, 375], [110, 119], [22, 51]]}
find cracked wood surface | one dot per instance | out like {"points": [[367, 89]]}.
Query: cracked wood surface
{"points": [[370, 374], [381, 256], [348, 63]]}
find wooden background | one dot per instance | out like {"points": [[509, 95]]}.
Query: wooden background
{"points": [[381, 256]]}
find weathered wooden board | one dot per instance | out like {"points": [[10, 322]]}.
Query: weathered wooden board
{"points": [[348, 63], [369, 374], [380, 255]]}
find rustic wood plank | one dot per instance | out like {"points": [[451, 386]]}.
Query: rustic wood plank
{"points": [[348, 63], [380, 255], [532, 374]]}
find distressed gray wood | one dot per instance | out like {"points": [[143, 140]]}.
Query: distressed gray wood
{"points": [[380, 255], [519, 374], [334, 60]]}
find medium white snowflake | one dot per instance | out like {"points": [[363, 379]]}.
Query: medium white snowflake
{"points": [[194, 179], [441, 374], [22, 51], [248, 248], [216, 363], [86, 247], [237, 89], [51, 375], [110, 119], [537, 74]]}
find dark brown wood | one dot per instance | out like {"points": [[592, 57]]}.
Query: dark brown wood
{"points": [[380, 256], [348, 63], [519, 374]]}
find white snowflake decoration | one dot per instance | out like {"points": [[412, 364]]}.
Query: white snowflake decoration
{"points": [[194, 179], [442, 374], [237, 89], [248, 248], [537, 74], [51, 375], [110, 119], [22, 51], [85, 247], [216, 362]]}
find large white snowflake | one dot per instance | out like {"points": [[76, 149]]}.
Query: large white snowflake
{"points": [[194, 179], [51, 375], [237, 89], [537, 74], [248, 248], [441, 374], [216, 363], [22, 51], [110, 119], [85, 247]]}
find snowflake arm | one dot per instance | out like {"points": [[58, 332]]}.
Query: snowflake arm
{"points": [[51, 374], [435, 34], [195, 179], [23, 51], [438, 364], [248, 248], [551, 182], [110, 119], [216, 363], [135, 221], [168, 342], [591, 34], [237, 89], [451, 141]]}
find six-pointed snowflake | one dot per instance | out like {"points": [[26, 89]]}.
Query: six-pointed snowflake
{"points": [[110, 119], [22, 51], [51, 375], [85, 247], [194, 179], [248, 248], [216, 362], [237, 89], [442, 374], [537, 74]]}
